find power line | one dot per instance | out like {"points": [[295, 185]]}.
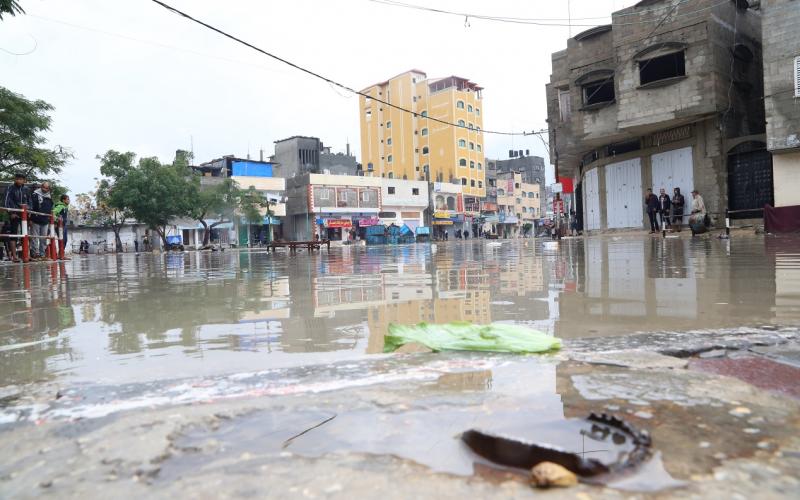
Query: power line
{"points": [[325, 78], [556, 22]]}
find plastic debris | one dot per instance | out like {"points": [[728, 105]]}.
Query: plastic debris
{"points": [[465, 336]]}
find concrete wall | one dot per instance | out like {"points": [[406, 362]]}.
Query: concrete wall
{"points": [[781, 39], [531, 168], [786, 179], [296, 156]]}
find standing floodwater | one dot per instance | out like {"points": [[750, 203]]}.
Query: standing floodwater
{"points": [[133, 318]]}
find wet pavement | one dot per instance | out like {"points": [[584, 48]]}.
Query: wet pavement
{"points": [[250, 374]]}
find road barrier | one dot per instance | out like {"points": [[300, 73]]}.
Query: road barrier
{"points": [[52, 236]]}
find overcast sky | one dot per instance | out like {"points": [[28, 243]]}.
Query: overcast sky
{"points": [[129, 75]]}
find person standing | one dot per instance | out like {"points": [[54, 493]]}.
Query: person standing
{"points": [[697, 221], [651, 203], [136, 246], [42, 203], [61, 211], [16, 196], [664, 208], [678, 203]]}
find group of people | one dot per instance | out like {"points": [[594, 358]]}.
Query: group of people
{"points": [[41, 203], [666, 212]]}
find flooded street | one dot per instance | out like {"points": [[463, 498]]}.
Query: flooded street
{"points": [[199, 370]]}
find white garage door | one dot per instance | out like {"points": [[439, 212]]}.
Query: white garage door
{"points": [[674, 169], [591, 202], [624, 197]]}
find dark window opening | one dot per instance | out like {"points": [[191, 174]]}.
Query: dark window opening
{"points": [[391, 189], [622, 148], [415, 191], [661, 68], [598, 92]]}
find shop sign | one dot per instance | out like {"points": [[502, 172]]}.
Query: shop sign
{"points": [[442, 222], [441, 215], [338, 223], [368, 221]]}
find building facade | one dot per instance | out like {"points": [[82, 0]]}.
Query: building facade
{"points": [[671, 100], [412, 145], [531, 167], [404, 202], [781, 40], [519, 205], [300, 155]]}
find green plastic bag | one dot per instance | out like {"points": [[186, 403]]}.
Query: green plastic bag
{"points": [[465, 336]]}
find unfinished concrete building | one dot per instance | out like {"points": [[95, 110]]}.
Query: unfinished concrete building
{"points": [[782, 95], [668, 95]]}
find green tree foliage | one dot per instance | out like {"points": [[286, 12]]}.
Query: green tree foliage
{"points": [[108, 206], [217, 201], [22, 145], [10, 7]]}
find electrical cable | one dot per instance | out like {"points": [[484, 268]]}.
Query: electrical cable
{"points": [[541, 21], [35, 46], [326, 79]]}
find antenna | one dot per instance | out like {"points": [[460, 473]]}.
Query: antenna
{"points": [[191, 144]]}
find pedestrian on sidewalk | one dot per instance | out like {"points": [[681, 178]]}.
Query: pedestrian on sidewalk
{"points": [[664, 208], [42, 203], [651, 203], [61, 212], [136, 246], [16, 196], [678, 204]]}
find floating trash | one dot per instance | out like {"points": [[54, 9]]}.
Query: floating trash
{"points": [[465, 336]]}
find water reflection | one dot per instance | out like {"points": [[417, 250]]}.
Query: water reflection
{"points": [[126, 318]]}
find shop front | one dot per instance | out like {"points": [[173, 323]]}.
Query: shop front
{"points": [[442, 225], [334, 228], [362, 223]]}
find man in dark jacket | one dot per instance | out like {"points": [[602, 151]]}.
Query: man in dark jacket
{"points": [[16, 196], [651, 202], [664, 206], [43, 203], [678, 203]]}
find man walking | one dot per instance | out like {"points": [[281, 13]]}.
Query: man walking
{"points": [[61, 211], [42, 203], [678, 203], [651, 202], [664, 205], [16, 196]]}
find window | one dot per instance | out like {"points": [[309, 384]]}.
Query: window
{"points": [[519, 201], [391, 175], [472, 146], [662, 68], [524, 210], [472, 183], [463, 181], [797, 76], [387, 215], [480, 184], [530, 194], [388, 124], [462, 162], [480, 166], [369, 115], [501, 192], [516, 185], [425, 150], [423, 114], [469, 108], [460, 104], [524, 194], [472, 164], [479, 148], [478, 129], [389, 158], [462, 143], [370, 167], [424, 131], [462, 123], [391, 189], [471, 126], [415, 191], [599, 92], [478, 111], [564, 105], [389, 141]]}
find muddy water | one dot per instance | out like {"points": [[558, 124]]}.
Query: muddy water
{"points": [[136, 318]]}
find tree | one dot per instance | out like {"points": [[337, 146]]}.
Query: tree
{"points": [[22, 145], [151, 192], [217, 202], [10, 7], [110, 207]]}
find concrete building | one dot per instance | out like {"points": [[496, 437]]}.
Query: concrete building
{"points": [[404, 202], [518, 205], [781, 41], [247, 174], [531, 167], [300, 155], [670, 100], [330, 206], [401, 145]]}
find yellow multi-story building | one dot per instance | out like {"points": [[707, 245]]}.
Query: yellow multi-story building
{"points": [[414, 146]]}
